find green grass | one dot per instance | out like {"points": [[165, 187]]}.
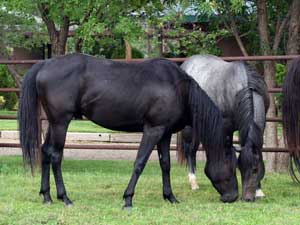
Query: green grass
{"points": [[6, 112], [97, 187], [75, 125]]}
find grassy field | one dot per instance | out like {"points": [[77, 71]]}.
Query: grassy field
{"points": [[75, 125], [97, 187]]}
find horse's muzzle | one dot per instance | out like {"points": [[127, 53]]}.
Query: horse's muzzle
{"points": [[228, 198]]}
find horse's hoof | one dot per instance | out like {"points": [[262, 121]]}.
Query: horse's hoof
{"points": [[65, 200], [193, 181], [171, 198], [47, 202], [47, 199], [195, 187], [259, 194], [68, 202], [127, 208], [69, 205]]}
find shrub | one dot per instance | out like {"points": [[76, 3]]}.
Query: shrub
{"points": [[6, 81]]}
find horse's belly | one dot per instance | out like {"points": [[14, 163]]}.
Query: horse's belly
{"points": [[114, 116]]}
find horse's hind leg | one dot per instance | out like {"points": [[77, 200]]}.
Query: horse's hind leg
{"points": [[259, 193], [163, 150], [46, 158], [191, 162], [58, 136], [190, 156], [150, 138]]}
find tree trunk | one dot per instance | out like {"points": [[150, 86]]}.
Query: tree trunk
{"points": [[237, 37], [269, 73], [160, 42], [78, 45], [128, 50], [58, 38], [293, 44], [11, 68], [15, 75]]}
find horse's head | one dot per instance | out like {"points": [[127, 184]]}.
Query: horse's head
{"points": [[252, 170], [223, 176]]}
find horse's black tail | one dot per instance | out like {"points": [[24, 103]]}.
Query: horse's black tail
{"points": [[291, 113], [28, 116], [207, 123]]}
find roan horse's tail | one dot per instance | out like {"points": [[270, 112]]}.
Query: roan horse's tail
{"points": [[207, 123], [291, 113], [28, 116]]}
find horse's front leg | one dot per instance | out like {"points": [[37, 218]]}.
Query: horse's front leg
{"points": [[150, 138], [259, 193], [163, 150]]}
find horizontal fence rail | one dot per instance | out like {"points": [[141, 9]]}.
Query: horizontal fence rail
{"points": [[226, 58], [135, 146]]}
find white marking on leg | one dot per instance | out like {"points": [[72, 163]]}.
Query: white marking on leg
{"points": [[193, 181], [259, 193]]}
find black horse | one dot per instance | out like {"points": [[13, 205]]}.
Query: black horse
{"points": [[241, 95], [154, 97], [291, 114]]}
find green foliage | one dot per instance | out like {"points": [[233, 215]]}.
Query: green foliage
{"points": [[18, 25], [10, 99], [280, 73], [279, 77], [119, 53], [197, 42]]}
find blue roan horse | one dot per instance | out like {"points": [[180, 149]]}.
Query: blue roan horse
{"points": [[241, 95], [154, 97]]}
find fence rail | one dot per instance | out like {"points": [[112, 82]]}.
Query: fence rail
{"points": [[134, 147], [226, 58]]}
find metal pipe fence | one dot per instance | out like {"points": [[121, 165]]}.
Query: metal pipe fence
{"points": [[135, 146]]}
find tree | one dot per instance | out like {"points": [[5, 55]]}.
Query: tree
{"points": [[14, 28], [293, 44]]}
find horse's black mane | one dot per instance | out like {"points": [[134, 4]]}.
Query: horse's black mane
{"points": [[245, 109], [257, 83]]}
